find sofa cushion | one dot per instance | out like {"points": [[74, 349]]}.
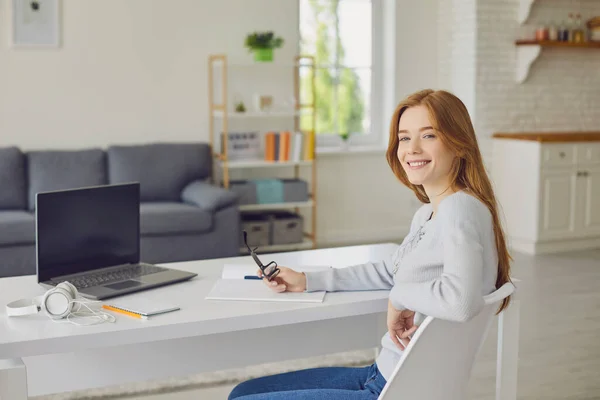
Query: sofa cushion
{"points": [[16, 227], [167, 218], [64, 169], [208, 197], [162, 169], [12, 179]]}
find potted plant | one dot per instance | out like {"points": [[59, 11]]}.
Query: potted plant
{"points": [[262, 44], [345, 136]]}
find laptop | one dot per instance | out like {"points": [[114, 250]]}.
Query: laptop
{"points": [[91, 237]]}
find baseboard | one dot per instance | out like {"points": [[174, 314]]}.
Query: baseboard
{"points": [[550, 247], [362, 236]]}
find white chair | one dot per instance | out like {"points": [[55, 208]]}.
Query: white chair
{"points": [[438, 362]]}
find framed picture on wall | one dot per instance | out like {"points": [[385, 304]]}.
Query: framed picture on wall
{"points": [[35, 23]]}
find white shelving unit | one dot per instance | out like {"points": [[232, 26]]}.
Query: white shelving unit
{"points": [[264, 164], [278, 206], [247, 114], [221, 113]]}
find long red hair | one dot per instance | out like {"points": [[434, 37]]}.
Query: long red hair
{"points": [[450, 119]]}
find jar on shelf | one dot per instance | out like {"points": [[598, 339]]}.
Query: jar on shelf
{"points": [[578, 32], [553, 32], [571, 27], [563, 32], [541, 34]]}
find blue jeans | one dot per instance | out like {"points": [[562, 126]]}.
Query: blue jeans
{"points": [[331, 383]]}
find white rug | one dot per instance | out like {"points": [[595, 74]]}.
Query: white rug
{"points": [[354, 358]]}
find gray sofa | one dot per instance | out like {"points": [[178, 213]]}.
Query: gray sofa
{"points": [[182, 216]]}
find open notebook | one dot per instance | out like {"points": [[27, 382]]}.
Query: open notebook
{"points": [[234, 286]]}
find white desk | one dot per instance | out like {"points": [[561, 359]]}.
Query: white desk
{"points": [[202, 336]]}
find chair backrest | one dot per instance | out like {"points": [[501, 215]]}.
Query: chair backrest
{"points": [[438, 362]]}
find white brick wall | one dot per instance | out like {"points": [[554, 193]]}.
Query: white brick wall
{"points": [[464, 52], [476, 50], [562, 91]]}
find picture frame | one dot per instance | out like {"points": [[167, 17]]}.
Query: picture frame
{"points": [[242, 145], [35, 23]]}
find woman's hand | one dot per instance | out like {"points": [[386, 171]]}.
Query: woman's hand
{"points": [[401, 325], [287, 280]]}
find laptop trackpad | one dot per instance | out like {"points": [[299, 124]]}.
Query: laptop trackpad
{"points": [[123, 285]]}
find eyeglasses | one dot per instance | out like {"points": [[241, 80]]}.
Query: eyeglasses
{"points": [[270, 271]]}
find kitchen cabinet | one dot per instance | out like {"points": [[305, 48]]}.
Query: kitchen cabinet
{"points": [[548, 189]]}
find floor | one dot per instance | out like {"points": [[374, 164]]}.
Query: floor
{"points": [[560, 334]]}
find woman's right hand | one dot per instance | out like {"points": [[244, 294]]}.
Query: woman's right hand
{"points": [[287, 280]]}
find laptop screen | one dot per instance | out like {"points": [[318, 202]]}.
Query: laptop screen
{"points": [[83, 229]]}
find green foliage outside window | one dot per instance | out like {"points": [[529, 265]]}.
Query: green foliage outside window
{"points": [[339, 98]]}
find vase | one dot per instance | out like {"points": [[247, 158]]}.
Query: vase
{"points": [[263, 55]]}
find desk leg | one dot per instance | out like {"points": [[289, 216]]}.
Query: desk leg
{"points": [[13, 380], [508, 352]]}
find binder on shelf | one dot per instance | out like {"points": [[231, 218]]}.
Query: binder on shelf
{"points": [[284, 146], [309, 148], [297, 148], [270, 146], [277, 146]]}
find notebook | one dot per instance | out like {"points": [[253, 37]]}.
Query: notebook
{"points": [[234, 286], [141, 305]]}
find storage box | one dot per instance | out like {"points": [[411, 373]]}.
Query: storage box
{"points": [[295, 190], [246, 191], [258, 227], [286, 227]]}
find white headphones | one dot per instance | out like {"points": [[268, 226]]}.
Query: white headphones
{"points": [[58, 303]]}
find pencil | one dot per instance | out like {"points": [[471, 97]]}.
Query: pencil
{"points": [[118, 310]]}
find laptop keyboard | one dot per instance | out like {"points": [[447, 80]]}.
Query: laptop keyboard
{"points": [[116, 275]]}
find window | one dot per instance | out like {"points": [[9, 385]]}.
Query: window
{"points": [[340, 35]]}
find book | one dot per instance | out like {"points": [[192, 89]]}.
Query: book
{"points": [[238, 282], [140, 305]]}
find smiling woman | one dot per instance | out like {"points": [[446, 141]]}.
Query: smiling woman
{"points": [[453, 255]]}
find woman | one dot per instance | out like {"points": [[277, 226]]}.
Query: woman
{"points": [[454, 254]]}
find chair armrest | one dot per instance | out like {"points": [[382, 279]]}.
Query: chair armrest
{"points": [[208, 197]]}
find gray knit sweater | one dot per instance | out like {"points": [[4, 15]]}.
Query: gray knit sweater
{"points": [[443, 268]]}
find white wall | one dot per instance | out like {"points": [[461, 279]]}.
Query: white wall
{"points": [[136, 71], [416, 46], [128, 71]]}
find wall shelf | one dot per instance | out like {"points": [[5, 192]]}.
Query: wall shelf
{"points": [[529, 50], [549, 43]]}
